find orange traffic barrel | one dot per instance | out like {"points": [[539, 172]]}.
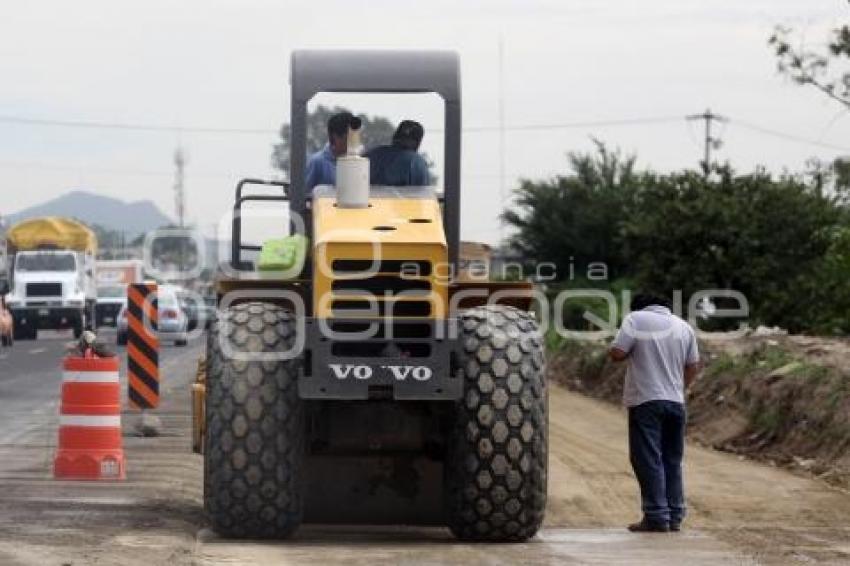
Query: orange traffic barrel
{"points": [[90, 421]]}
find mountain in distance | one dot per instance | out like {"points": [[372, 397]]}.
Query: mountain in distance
{"points": [[107, 212]]}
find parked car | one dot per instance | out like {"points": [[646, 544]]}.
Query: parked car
{"points": [[7, 324], [173, 324]]}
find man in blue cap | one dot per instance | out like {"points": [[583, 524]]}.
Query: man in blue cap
{"points": [[399, 164]]}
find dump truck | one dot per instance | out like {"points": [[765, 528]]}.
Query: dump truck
{"points": [[52, 273], [365, 382]]}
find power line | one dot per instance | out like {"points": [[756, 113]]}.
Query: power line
{"points": [[160, 128], [172, 129], [41, 166], [574, 125], [787, 136]]}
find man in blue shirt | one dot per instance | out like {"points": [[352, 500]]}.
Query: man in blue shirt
{"points": [[399, 164], [321, 166]]}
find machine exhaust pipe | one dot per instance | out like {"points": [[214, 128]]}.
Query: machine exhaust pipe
{"points": [[352, 172]]}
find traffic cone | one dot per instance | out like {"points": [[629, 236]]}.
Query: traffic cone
{"points": [[90, 421]]}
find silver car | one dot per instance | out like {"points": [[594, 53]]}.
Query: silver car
{"points": [[173, 323]]}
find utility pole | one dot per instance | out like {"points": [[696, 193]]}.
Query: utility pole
{"points": [[180, 202], [710, 141], [179, 194], [502, 187]]}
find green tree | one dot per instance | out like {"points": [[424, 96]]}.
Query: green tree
{"points": [[829, 293], [827, 70], [377, 130], [784, 242], [761, 236], [572, 220]]}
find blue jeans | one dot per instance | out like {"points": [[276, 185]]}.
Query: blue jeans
{"points": [[656, 446]]}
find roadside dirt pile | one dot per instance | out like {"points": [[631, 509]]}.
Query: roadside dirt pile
{"points": [[780, 399]]}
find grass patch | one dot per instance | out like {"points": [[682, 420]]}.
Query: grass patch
{"points": [[762, 360], [769, 419], [812, 372], [772, 357], [724, 363]]}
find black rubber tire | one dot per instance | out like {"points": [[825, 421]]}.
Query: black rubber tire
{"points": [[91, 317], [255, 428], [21, 332], [79, 325], [496, 468]]}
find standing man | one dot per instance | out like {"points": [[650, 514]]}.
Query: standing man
{"points": [[321, 166], [663, 361], [399, 164]]}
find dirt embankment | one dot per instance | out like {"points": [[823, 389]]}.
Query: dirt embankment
{"points": [[780, 399]]}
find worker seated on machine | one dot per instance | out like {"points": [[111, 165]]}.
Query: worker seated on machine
{"points": [[399, 164]]}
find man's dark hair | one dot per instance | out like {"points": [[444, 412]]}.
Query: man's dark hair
{"points": [[408, 135], [338, 124], [642, 300]]}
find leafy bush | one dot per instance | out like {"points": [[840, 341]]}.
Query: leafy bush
{"points": [[784, 242]]}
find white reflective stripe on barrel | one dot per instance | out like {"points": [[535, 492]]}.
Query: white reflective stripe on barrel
{"points": [[90, 377], [90, 420]]}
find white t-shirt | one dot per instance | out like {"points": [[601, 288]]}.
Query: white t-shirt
{"points": [[660, 345]]}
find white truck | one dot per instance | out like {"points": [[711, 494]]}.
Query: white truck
{"points": [[52, 275], [112, 277]]}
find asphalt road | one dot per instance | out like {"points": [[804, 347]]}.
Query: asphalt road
{"points": [[31, 376], [155, 516], [151, 518]]}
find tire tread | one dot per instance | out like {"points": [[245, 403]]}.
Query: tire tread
{"points": [[255, 427], [496, 471]]}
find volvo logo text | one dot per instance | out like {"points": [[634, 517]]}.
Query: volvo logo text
{"points": [[399, 373], [341, 371]]}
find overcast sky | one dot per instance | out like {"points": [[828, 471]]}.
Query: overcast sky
{"points": [[204, 64]]}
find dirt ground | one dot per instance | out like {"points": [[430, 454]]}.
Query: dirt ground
{"points": [[763, 514], [741, 512], [832, 352], [769, 513], [779, 399]]}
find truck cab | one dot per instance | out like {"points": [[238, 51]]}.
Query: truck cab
{"points": [[51, 289]]}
